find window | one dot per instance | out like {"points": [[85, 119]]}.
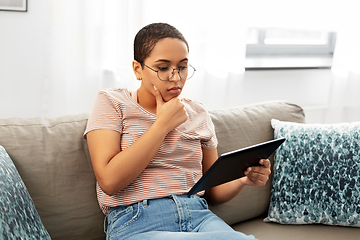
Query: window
{"points": [[289, 48]]}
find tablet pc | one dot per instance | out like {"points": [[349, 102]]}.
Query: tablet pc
{"points": [[232, 165]]}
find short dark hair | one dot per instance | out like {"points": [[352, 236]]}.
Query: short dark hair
{"points": [[148, 36]]}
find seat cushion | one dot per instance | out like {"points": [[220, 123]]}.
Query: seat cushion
{"points": [[275, 231]]}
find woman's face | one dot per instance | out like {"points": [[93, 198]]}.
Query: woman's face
{"points": [[168, 52]]}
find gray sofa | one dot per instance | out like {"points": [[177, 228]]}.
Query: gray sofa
{"points": [[53, 161]]}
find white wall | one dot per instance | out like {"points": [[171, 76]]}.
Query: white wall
{"points": [[22, 37], [22, 61]]}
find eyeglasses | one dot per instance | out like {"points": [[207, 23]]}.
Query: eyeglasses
{"points": [[167, 72]]}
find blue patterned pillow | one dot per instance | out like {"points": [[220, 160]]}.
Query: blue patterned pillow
{"points": [[18, 216], [316, 174]]}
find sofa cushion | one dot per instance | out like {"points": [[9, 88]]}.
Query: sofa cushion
{"points": [[18, 216], [241, 127], [316, 174], [53, 161], [274, 231]]}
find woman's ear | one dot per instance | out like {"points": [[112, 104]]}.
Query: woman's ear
{"points": [[137, 68]]}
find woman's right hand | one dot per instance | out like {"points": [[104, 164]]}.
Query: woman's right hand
{"points": [[169, 114]]}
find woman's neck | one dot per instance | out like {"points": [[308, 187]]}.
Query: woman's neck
{"points": [[146, 99]]}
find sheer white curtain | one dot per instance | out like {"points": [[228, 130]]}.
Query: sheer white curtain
{"points": [[344, 103], [216, 32], [73, 55], [89, 47]]}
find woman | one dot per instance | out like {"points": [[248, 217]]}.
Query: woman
{"points": [[149, 147]]}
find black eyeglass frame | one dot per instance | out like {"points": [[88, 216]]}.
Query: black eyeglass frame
{"points": [[172, 73]]}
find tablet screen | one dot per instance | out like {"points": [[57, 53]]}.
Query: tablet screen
{"points": [[232, 165]]}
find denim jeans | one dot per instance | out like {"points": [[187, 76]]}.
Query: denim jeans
{"points": [[174, 217]]}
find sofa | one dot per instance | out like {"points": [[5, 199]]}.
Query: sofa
{"points": [[51, 157]]}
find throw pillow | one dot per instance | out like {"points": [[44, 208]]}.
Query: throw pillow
{"points": [[316, 174], [18, 216]]}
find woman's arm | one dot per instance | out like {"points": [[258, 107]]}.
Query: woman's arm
{"points": [[115, 169], [255, 176]]}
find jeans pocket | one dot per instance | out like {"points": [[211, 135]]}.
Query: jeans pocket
{"points": [[202, 201], [120, 219]]}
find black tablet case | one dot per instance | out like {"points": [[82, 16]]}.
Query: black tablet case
{"points": [[232, 165]]}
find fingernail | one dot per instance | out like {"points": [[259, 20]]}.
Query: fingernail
{"points": [[261, 161], [155, 88]]}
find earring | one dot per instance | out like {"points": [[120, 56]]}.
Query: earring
{"points": [[139, 78]]}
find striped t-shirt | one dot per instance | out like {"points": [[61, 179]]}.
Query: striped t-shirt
{"points": [[177, 165]]}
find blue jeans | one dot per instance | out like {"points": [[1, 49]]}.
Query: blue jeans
{"points": [[174, 217]]}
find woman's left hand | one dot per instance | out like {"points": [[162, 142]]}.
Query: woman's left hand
{"points": [[257, 176]]}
